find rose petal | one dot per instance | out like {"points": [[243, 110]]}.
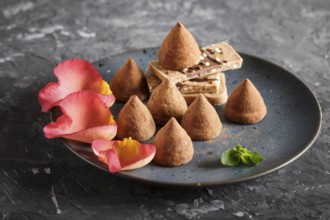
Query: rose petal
{"points": [[107, 99], [85, 118], [123, 155], [99, 148], [101, 132], [74, 75]]}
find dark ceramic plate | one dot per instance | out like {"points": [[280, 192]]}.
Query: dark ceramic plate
{"points": [[291, 126]]}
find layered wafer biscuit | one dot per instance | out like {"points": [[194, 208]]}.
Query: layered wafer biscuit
{"points": [[218, 98], [207, 84]]}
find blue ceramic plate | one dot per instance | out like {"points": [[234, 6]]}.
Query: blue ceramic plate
{"points": [[290, 127]]}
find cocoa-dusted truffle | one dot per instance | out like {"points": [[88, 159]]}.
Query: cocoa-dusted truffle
{"points": [[174, 146], [165, 102], [179, 49], [245, 104], [129, 80], [201, 121], [134, 120]]}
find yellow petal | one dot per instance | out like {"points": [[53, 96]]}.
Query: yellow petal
{"points": [[105, 88], [112, 121], [128, 148]]}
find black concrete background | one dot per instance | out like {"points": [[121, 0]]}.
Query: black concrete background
{"points": [[41, 179]]}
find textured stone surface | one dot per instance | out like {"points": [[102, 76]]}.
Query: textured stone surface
{"points": [[41, 179]]}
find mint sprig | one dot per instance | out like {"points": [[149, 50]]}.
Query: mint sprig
{"points": [[239, 154]]}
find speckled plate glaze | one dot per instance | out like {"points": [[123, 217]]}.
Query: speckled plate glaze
{"points": [[291, 126]]}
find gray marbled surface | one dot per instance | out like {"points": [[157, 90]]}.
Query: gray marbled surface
{"points": [[41, 179]]}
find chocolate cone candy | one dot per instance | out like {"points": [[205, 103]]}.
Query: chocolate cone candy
{"points": [[179, 49], [245, 104], [134, 120], [201, 121], [165, 102], [129, 80], [174, 146]]}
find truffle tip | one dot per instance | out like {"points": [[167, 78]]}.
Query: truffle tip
{"points": [[167, 82], [131, 61], [201, 96], [134, 98], [200, 99], [173, 121], [179, 24]]}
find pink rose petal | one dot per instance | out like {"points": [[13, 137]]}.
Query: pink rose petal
{"points": [[74, 75], [123, 155], [85, 118]]}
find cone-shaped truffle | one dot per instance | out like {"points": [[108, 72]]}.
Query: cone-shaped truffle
{"points": [[179, 49], [134, 120], [245, 104], [165, 102], [129, 80], [201, 120], [174, 146]]}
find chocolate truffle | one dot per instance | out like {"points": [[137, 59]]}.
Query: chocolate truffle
{"points": [[129, 80], [245, 104], [179, 49], [165, 102], [201, 121], [173, 144], [134, 120]]}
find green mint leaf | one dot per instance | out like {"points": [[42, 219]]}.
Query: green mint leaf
{"points": [[239, 154], [246, 159], [256, 158], [230, 157], [241, 149]]}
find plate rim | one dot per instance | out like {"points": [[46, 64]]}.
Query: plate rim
{"points": [[125, 174]]}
